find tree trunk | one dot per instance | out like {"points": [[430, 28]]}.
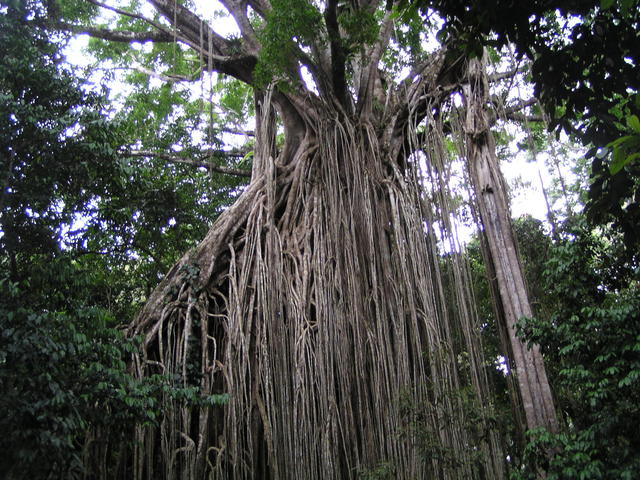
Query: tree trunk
{"points": [[490, 192], [316, 303]]}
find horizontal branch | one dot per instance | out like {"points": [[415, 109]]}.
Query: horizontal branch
{"points": [[514, 113], [496, 77], [171, 78], [197, 162], [519, 106], [115, 35], [238, 131], [521, 117]]}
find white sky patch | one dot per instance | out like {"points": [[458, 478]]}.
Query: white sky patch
{"points": [[308, 79], [217, 16], [530, 198]]}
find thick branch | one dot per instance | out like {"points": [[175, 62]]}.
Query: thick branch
{"points": [[197, 162], [226, 56], [261, 7], [367, 84], [496, 77], [338, 54], [115, 35]]}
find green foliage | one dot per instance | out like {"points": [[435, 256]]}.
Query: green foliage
{"points": [[290, 25], [236, 98], [84, 235], [63, 373], [408, 45], [49, 129], [360, 26], [626, 149], [592, 346], [67, 185], [615, 173]]}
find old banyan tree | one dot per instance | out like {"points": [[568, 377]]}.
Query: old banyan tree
{"points": [[327, 306]]}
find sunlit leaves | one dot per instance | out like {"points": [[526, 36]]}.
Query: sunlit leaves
{"points": [[291, 24]]}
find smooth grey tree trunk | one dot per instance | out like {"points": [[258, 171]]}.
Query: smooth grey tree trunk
{"points": [[489, 188]]}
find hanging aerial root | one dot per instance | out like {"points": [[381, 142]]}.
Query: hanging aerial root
{"points": [[316, 303]]}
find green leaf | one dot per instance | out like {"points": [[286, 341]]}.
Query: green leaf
{"points": [[620, 161], [634, 123], [621, 140], [606, 4], [627, 5]]}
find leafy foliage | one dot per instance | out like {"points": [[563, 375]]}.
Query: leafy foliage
{"points": [[592, 343], [52, 139], [85, 233], [290, 25], [61, 373]]}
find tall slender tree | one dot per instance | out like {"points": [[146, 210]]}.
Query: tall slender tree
{"points": [[316, 300]]}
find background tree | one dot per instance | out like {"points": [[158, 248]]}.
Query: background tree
{"points": [[594, 98], [591, 340]]}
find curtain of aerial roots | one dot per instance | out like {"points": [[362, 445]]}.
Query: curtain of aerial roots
{"points": [[318, 304]]}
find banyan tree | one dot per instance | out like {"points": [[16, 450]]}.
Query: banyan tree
{"points": [[318, 305]]}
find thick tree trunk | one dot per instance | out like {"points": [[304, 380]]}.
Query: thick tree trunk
{"points": [[490, 193]]}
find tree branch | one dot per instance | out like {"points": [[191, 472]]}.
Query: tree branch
{"points": [[238, 9], [518, 106], [521, 117], [171, 78], [338, 54], [496, 77], [225, 56], [120, 11], [367, 83], [115, 35], [238, 131], [197, 162], [261, 7], [513, 112]]}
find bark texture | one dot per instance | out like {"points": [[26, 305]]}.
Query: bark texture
{"points": [[490, 193], [316, 302]]}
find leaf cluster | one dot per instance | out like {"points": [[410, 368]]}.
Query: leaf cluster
{"points": [[61, 373], [592, 346], [289, 26], [85, 234]]}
